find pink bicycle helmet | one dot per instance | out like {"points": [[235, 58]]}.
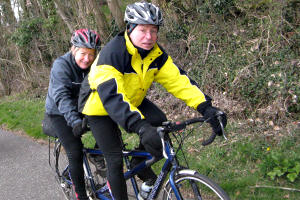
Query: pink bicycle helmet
{"points": [[86, 38]]}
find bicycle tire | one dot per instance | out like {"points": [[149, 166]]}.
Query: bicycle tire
{"points": [[62, 172], [206, 188]]}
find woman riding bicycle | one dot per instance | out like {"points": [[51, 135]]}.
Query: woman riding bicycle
{"points": [[114, 92], [66, 75]]}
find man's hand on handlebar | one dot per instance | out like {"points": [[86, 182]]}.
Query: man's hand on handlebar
{"points": [[212, 114], [149, 138]]}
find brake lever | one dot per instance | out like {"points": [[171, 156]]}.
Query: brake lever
{"points": [[220, 113], [160, 131]]}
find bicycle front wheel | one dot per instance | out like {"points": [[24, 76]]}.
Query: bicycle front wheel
{"points": [[192, 185]]}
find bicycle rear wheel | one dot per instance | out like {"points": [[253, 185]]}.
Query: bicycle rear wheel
{"points": [[62, 171], [192, 185]]}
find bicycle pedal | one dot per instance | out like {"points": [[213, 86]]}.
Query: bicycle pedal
{"points": [[63, 185]]}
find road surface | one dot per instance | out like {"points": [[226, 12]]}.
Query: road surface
{"points": [[24, 170]]}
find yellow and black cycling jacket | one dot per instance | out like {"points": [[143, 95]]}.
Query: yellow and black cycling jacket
{"points": [[119, 79]]}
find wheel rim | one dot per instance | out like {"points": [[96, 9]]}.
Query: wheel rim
{"points": [[185, 188]]}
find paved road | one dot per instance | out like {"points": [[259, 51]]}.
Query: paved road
{"points": [[24, 170]]}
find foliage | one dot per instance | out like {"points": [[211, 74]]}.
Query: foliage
{"points": [[179, 31], [284, 166], [283, 162], [219, 6], [245, 50], [28, 30]]}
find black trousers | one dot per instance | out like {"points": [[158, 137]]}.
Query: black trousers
{"points": [[73, 147], [107, 135]]}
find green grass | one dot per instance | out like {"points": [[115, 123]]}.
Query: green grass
{"points": [[240, 165], [25, 115]]}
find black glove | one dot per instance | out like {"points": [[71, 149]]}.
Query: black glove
{"points": [[209, 111], [78, 129], [149, 138], [85, 125]]}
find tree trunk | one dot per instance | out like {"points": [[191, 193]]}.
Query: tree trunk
{"points": [[82, 14], [117, 13], [8, 13], [2, 89], [8, 22], [100, 20], [61, 13], [38, 9], [25, 12], [32, 8]]}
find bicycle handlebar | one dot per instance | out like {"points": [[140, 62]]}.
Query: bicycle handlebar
{"points": [[177, 126], [213, 135]]}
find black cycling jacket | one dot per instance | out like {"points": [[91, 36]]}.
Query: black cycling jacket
{"points": [[64, 85]]}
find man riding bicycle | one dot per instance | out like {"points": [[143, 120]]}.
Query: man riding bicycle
{"points": [[114, 92]]}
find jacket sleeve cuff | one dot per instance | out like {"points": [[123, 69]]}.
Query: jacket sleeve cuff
{"points": [[202, 107], [76, 122], [138, 125]]}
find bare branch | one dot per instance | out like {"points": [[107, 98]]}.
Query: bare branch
{"points": [[273, 187], [8, 61], [207, 51]]}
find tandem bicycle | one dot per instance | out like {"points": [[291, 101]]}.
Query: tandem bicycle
{"points": [[175, 180]]}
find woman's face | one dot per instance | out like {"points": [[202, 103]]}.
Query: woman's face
{"points": [[144, 36], [84, 57]]}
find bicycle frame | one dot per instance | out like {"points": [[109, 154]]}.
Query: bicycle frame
{"points": [[171, 161]]}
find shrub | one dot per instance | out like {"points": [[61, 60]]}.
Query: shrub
{"points": [[28, 29]]}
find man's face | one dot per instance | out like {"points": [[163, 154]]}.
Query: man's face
{"points": [[144, 36], [84, 57]]}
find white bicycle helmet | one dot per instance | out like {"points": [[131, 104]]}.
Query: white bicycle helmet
{"points": [[143, 13]]}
